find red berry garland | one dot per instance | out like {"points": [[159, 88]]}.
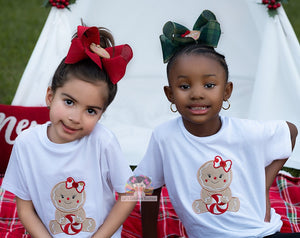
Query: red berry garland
{"points": [[60, 4], [272, 5]]}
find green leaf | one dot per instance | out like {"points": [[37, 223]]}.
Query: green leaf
{"points": [[272, 12], [46, 3]]}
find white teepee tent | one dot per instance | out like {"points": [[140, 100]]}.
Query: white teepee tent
{"points": [[263, 54]]}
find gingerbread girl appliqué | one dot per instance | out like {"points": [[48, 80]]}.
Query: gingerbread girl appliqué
{"points": [[68, 197], [215, 176]]}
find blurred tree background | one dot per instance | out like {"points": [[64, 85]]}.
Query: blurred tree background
{"points": [[20, 25]]}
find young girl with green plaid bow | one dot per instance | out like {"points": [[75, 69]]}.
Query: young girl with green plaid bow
{"points": [[65, 173], [217, 169]]}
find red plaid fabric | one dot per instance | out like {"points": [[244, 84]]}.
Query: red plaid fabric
{"points": [[284, 195], [10, 225], [168, 223], [285, 199]]}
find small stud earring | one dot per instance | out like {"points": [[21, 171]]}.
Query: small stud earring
{"points": [[171, 107], [226, 108]]}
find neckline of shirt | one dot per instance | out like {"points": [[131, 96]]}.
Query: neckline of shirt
{"points": [[55, 146], [204, 138]]}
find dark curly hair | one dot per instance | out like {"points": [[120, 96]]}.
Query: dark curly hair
{"points": [[198, 49]]}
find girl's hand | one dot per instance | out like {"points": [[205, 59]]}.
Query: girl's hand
{"points": [[115, 218]]}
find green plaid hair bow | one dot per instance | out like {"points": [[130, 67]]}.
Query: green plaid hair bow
{"points": [[206, 31]]}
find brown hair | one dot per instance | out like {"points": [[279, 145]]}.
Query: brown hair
{"points": [[86, 70]]}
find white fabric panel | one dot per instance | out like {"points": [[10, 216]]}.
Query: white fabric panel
{"points": [[263, 54]]}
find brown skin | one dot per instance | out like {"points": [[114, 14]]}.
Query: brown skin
{"points": [[198, 82], [198, 87], [273, 169], [149, 215]]}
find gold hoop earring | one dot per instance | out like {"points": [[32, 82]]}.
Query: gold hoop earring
{"points": [[226, 108], [171, 107]]}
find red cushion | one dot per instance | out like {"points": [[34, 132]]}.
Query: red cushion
{"points": [[13, 120]]}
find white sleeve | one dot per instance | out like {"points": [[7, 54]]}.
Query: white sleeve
{"points": [[278, 143], [14, 180], [152, 164], [119, 170]]}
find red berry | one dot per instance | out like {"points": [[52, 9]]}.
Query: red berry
{"points": [[67, 3], [270, 6], [273, 1], [278, 4], [265, 1]]}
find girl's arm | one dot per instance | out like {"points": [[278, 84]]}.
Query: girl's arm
{"points": [[273, 169], [115, 218], [149, 215], [30, 219]]}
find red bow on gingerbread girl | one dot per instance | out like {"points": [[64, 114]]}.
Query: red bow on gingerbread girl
{"points": [[219, 162], [79, 186]]}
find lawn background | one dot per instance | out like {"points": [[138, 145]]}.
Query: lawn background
{"points": [[21, 23]]}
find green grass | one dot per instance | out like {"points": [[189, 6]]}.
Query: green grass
{"points": [[292, 9], [20, 25]]}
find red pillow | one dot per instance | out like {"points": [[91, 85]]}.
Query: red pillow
{"points": [[13, 120]]}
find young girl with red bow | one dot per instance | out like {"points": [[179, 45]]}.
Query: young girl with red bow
{"points": [[65, 173], [217, 169]]}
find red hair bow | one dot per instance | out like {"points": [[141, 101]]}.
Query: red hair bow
{"points": [[115, 66]]}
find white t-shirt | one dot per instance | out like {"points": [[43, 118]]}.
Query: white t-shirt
{"points": [[217, 183], [71, 185]]}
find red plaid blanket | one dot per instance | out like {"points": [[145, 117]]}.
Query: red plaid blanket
{"points": [[168, 224], [10, 225], [284, 195], [285, 199]]}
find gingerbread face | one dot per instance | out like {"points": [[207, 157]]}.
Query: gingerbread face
{"points": [[67, 198], [213, 179]]}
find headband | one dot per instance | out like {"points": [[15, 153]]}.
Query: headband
{"points": [[206, 31], [113, 59]]}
